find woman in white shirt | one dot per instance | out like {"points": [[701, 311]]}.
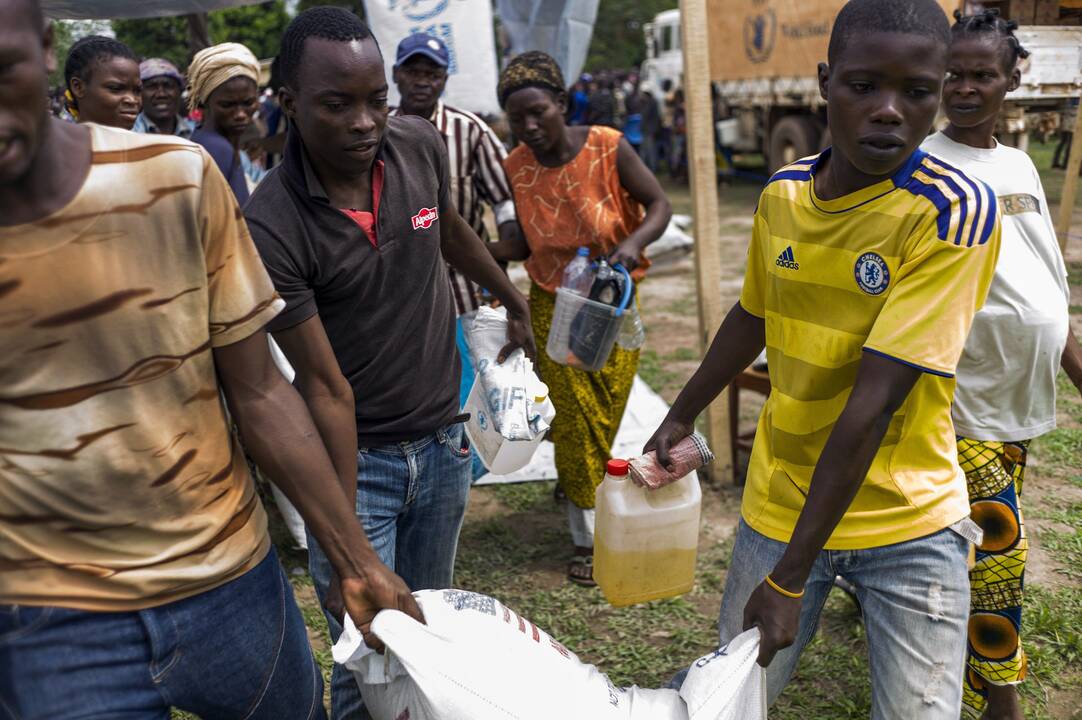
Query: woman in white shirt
{"points": [[1006, 391]]}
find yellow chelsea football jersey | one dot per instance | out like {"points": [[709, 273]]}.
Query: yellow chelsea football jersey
{"points": [[897, 269]]}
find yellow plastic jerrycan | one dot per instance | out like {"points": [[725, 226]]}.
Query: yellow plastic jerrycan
{"points": [[645, 541]]}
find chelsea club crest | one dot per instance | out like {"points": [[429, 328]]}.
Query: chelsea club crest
{"points": [[872, 273]]}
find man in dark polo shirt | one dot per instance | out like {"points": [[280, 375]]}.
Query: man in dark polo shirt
{"points": [[355, 227]]}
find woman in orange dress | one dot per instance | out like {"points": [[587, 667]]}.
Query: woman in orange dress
{"points": [[575, 187]]}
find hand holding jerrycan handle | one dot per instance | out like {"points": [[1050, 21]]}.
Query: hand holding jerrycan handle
{"points": [[645, 541]]}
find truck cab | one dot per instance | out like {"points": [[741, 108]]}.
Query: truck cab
{"points": [[763, 56], [664, 53]]}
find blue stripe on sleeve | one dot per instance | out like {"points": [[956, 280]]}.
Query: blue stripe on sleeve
{"points": [[794, 174], [941, 202], [990, 220], [963, 199], [976, 185], [923, 369]]}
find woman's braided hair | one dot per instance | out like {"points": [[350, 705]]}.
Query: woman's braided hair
{"points": [[86, 53], [989, 22]]}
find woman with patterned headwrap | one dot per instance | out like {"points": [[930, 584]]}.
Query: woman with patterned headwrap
{"points": [[573, 187], [223, 84]]}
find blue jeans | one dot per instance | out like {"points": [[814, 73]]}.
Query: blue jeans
{"points": [[411, 498], [915, 600], [238, 651]]}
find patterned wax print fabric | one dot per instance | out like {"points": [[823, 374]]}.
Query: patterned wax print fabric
{"points": [[121, 485], [994, 474], [589, 407], [579, 204]]}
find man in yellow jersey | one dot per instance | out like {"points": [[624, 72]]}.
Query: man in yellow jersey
{"points": [[866, 266]]}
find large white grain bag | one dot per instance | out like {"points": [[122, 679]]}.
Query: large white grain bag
{"points": [[727, 684], [476, 659]]}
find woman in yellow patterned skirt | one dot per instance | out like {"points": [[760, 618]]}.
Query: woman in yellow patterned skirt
{"points": [[1006, 387], [575, 187]]}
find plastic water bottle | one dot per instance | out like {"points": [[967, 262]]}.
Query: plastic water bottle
{"points": [[632, 333], [578, 275], [542, 411]]}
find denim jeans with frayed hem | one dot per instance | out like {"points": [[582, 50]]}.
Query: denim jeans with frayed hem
{"points": [[411, 498], [238, 651], [915, 600]]}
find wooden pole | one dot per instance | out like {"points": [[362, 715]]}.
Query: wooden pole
{"points": [[702, 172], [1070, 182]]}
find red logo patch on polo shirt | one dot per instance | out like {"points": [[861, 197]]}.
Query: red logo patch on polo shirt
{"points": [[424, 219]]}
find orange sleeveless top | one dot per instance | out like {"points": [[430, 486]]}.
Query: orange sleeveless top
{"points": [[580, 203]]}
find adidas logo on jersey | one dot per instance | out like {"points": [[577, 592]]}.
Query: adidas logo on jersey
{"points": [[787, 260]]}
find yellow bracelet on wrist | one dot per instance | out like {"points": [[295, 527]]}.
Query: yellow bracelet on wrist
{"points": [[783, 591]]}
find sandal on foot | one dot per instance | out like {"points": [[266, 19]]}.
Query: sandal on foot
{"points": [[581, 570]]}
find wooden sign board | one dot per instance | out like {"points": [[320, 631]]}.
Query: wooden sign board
{"points": [[751, 39]]}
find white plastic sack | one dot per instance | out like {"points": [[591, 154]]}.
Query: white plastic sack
{"points": [[506, 385], [475, 659], [674, 240], [727, 684]]}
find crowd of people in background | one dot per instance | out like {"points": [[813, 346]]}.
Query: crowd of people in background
{"points": [[653, 119], [147, 274]]}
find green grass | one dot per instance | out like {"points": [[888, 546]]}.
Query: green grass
{"points": [[1060, 448], [521, 497], [1052, 636], [1064, 545], [831, 680], [687, 306], [684, 354], [1074, 274], [654, 373], [1052, 180]]}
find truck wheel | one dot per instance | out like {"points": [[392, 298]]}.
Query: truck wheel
{"points": [[792, 138]]}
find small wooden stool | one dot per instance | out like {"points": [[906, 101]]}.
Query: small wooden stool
{"points": [[753, 381]]}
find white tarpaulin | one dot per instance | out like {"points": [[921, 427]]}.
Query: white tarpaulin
{"points": [[464, 25], [561, 28], [103, 9]]}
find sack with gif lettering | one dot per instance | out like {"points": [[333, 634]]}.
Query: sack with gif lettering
{"points": [[476, 659]]}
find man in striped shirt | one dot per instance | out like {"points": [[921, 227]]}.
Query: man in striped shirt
{"points": [[475, 153]]}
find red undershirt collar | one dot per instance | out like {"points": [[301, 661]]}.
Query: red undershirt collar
{"points": [[367, 220]]}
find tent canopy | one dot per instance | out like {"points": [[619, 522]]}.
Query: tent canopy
{"points": [[102, 9]]}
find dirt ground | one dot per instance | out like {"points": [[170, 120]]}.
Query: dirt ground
{"points": [[515, 546]]}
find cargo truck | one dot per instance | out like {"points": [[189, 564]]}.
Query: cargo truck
{"points": [[764, 53]]}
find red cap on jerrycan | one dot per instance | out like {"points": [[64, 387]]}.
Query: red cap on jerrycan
{"points": [[616, 468]]}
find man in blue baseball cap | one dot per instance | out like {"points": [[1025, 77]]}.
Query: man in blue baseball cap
{"points": [[475, 157], [162, 85]]}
